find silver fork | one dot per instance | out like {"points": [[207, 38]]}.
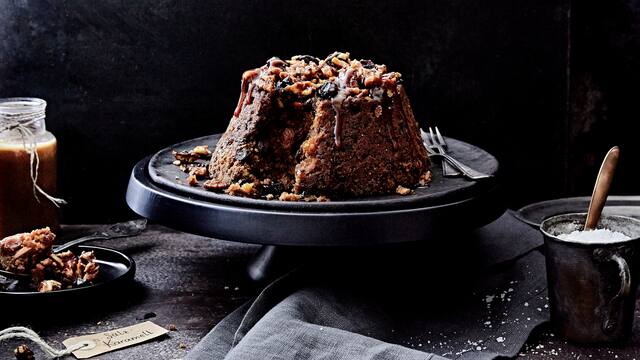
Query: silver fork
{"points": [[447, 169], [435, 145]]}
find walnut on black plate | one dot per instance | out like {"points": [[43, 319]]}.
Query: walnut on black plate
{"points": [[31, 253]]}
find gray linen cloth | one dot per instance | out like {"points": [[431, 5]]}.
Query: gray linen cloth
{"points": [[478, 296]]}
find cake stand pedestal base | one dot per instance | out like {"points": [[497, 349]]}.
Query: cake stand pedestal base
{"points": [[269, 262], [324, 235], [272, 261]]}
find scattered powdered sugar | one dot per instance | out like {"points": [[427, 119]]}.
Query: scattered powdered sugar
{"points": [[507, 311], [594, 236]]}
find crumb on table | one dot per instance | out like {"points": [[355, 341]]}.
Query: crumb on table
{"points": [[23, 352]]}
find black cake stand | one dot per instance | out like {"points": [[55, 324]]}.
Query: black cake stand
{"points": [[158, 191]]}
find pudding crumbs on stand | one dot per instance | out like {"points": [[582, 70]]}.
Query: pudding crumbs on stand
{"points": [[195, 163]]}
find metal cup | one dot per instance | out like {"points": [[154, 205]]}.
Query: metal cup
{"points": [[592, 291]]}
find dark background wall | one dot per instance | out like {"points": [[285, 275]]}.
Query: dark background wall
{"points": [[604, 97], [547, 86]]}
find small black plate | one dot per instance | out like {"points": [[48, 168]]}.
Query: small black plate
{"points": [[116, 269], [534, 214]]}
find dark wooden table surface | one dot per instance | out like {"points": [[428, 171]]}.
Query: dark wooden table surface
{"points": [[193, 282], [181, 279]]}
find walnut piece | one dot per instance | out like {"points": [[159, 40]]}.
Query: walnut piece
{"points": [[199, 172], [198, 152], [202, 150], [192, 180], [425, 178], [185, 157], [49, 285], [214, 185], [20, 252], [31, 253], [246, 189], [285, 196], [87, 269], [22, 352]]}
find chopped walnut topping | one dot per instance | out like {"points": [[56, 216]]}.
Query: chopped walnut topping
{"points": [[285, 196], [372, 80], [199, 171], [425, 178], [328, 71], [214, 185], [337, 62], [304, 88], [314, 198], [401, 190], [202, 150], [198, 152], [185, 156], [192, 180], [246, 189]]}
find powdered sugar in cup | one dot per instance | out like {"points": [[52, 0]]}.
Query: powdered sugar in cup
{"points": [[591, 289]]}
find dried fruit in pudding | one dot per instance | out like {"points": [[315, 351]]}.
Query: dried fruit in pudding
{"points": [[335, 128]]}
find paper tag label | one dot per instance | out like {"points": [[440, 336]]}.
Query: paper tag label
{"points": [[103, 342]]}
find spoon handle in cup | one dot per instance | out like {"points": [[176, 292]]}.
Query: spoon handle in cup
{"points": [[601, 188]]}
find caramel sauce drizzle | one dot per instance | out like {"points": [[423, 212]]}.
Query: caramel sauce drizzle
{"points": [[346, 81], [347, 78], [250, 94], [247, 77], [337, 130], [276, 62], [337, 106]]}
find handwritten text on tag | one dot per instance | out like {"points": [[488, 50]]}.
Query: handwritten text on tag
{"points": [[103, 342]]}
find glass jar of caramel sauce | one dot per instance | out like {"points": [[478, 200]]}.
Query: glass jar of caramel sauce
{"points": [[23, 135]]}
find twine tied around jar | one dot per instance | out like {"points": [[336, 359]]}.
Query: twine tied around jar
{"points": [[20, 122]]}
